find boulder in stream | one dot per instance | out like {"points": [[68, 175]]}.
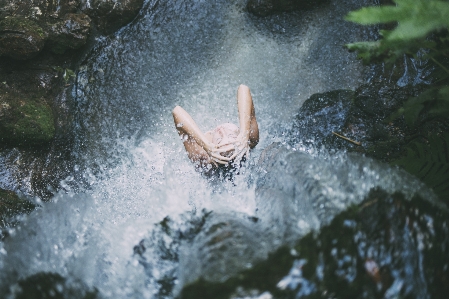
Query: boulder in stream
{"points": [[367, 121], [386, 246]]}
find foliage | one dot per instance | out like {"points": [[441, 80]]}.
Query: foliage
{"points": [[416, 20], [421, 24], [430, 163], [419, 28]]}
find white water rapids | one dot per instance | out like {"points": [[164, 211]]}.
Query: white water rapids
{"points": [[130, 161]]}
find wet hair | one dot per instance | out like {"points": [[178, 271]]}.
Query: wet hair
{"points": [[225, 133]]}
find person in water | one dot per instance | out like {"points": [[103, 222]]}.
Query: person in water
{"points": [[226, 142]]}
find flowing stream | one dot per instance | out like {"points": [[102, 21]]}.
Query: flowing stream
{"points": [[130, 168]]}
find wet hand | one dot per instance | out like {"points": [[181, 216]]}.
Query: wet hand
{"points": [[240, 147], [215, 156]]}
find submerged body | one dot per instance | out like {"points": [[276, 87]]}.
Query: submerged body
{"points": [[226, 142]]}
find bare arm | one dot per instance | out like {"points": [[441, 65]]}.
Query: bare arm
{"points": [[198, 147], [249, 128]]}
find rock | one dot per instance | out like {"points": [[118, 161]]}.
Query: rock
{"points": [[266, 7], [12, 205], [25, 121], [360, 116], [110, 15], [51, 285], [226, 244], [385, 246], [20, 38], [320, 115], [69, 33], [211, 246]]}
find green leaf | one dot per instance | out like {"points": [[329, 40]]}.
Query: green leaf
{"points": [[416, 18], [430, 163], [373, 15]]}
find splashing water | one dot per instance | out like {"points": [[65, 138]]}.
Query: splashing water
{"points": [[130, 162]]}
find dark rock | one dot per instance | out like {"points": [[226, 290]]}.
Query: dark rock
{"points": [[12, 205], [369, 122], [321, 115], [51, 285], [380, 99], [361, 116], [69, 33], [266, 7], [20, 38], [110, 15], [385, 246]]}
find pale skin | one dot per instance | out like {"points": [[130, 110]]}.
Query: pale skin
{"points": [[199, 146]]}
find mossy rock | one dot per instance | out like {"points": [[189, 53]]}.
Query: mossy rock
{"points": [[25, 121], [12, 205], [20, 38]]}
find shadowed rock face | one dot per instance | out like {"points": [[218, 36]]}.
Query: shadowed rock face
{"points": [[27, 27], [266, 7], [110, 15], [69, 33], [20, 38], [51, 285]]}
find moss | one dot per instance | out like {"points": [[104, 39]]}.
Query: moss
{"points": [[27, 122], [21, 24], [21, 38]]}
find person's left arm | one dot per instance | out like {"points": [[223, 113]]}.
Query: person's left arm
{"points": [[249, 129]]}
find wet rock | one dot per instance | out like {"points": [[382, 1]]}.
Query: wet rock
{"points": [[386, 246], [368, 122], [12, 205], [20, 38], [266, 7], [110, 15], [51, 285], [320, 115], [69, 33], [360, 116], [25, 121], [210, 246], [226, 244]]}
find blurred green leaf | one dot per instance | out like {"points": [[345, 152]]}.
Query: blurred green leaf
{"points": [[416, 18], [429, 162]]}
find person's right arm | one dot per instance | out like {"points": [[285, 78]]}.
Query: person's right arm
{"points": [[197, 145]]}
